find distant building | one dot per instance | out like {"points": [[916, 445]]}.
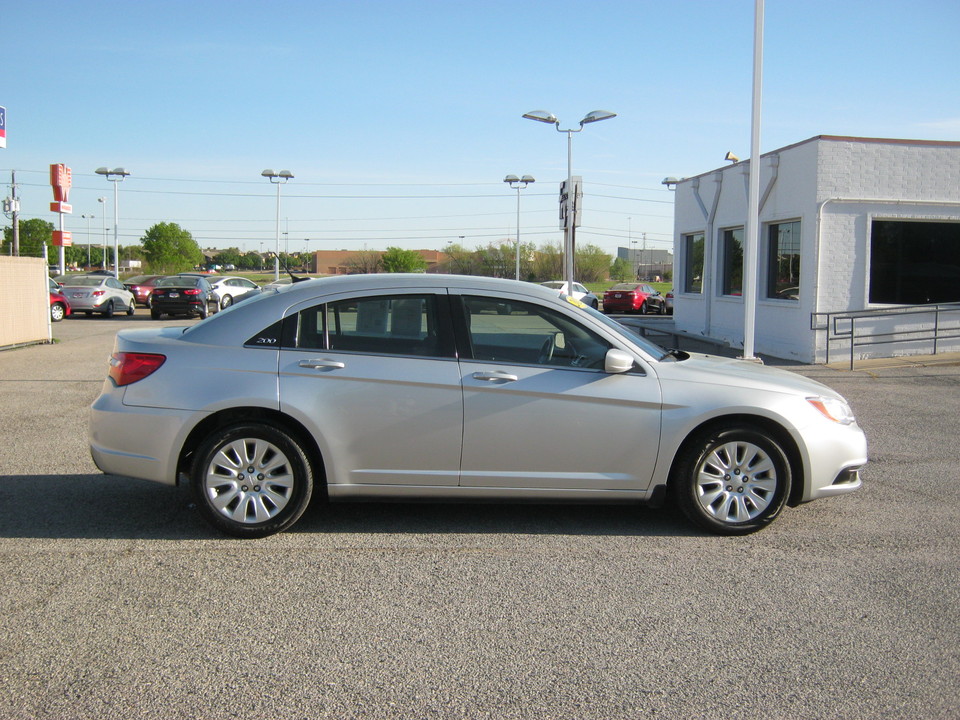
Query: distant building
{"points": [[845, 224], [648, 264], [346, 262]]}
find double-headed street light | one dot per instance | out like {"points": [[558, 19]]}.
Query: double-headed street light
{"points": [[568, 231], [277, 178], [519, 183], [570, 199], [115, 176]]}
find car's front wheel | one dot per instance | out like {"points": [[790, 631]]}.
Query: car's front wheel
{"points": [[732, 481], [108, 310], [132, 308], [251, 480]]}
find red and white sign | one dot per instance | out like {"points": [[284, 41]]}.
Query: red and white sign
{"points": [[61, 179], [62, 238]]}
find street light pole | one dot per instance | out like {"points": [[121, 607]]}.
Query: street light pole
{"points": [[569, 205], [88, 218], [115, 176], [519, 183], [278, 179]]}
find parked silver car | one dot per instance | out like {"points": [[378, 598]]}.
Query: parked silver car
{"points": [[102, 294], [418, 387]]}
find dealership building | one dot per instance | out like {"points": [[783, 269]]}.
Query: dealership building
{"points": [[849, 229]]}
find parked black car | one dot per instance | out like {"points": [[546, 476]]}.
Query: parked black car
{"points": [[182, 295]]}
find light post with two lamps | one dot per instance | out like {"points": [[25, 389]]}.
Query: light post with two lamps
{"points": [[115, 176], [569, 205], [278, 179], [518, 183]]}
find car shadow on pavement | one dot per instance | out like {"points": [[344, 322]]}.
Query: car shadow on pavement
{"points": [[99, 506]]}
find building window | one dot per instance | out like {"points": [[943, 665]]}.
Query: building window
{"points": [[733, 261], [914, 262], [693, 263], [783, 261]]}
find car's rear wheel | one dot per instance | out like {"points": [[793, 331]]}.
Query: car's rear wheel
{"points": [[108, 310], [732, 481], [226, 302], [251, 480], [155, 314], [57, 312], [202, 311]]}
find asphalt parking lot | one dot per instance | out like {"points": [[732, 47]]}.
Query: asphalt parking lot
{"points": [[118, 601]]}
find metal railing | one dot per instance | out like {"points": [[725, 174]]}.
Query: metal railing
{"points": [[925, 326]]}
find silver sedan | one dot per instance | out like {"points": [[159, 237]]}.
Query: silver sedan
{"points": [[458, 388], [102, 294]]}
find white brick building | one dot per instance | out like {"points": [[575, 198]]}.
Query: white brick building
{"points": [[845, 224]]}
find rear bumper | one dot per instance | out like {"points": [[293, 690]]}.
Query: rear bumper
{"points": [[156, 433]]}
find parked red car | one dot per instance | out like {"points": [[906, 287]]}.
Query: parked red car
{"points": [[59, 305], [634, 297], [142, 286]]}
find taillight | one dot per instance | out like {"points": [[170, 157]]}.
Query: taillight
{"points": [[98, 293], [191, 291], [127, 368]]}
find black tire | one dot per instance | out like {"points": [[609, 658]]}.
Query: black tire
{"points": [[663, 309], [643, 308], [732, 481], [235, 497], [155, 314], [203, 311], [132, 308], [226, 302], [108, 310]]}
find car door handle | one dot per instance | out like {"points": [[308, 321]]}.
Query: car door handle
{"points": [[319, 364], [495, 376]]}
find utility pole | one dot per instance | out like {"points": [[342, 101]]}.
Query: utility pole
{"points": [[12, 206]]}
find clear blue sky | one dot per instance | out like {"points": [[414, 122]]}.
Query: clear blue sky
{"points": [[400, 119]]}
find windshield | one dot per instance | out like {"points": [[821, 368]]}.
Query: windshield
{"points": [[648, 346]]}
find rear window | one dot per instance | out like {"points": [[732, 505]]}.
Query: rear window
{"points": [[625, 286]]}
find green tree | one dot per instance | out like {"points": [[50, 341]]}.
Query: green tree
{"points": [[548, 262], [460, 261], [592, 264], [169, 248], [34, 233], [230, 256], [621, 269], [396, 260]]}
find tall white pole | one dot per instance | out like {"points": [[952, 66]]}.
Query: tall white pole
{"points": [[518, 233], [276, 260], [751, 251], [568, 225], [116, 230]]}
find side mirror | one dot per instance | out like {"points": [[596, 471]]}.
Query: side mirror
{"points": [[617, 361]]}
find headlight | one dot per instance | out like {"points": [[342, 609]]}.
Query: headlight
{"points": [[833, 409]]}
